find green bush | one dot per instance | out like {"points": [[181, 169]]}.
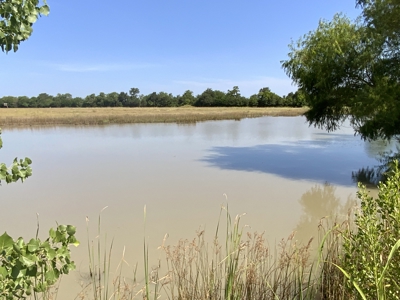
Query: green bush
{"points": [[371, 260], [34, 266]]}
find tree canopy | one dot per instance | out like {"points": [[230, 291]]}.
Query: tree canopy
{"points": [[351, 69], [16, 20], [133, 98]]}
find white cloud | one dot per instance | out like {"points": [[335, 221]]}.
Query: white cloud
{"points": [[280, 86]]}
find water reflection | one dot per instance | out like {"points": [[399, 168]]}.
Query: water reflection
{"points": [[384, 153], [320, 202], [323, 160]]}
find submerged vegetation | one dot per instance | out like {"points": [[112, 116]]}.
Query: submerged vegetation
{"points": [[119, 115]]}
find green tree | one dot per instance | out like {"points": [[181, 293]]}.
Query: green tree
{"points": [[351, 69], [65, 99], [9, 100], [133, 100], [101, 100], [16, 20], [234, 98], [111, 100], [253, 101], [206, 98], [44, 100], [23, 101], [186, 99], [89, 101], [268, 98]]}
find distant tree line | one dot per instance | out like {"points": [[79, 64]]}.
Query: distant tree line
{"points": [[209, 98]]}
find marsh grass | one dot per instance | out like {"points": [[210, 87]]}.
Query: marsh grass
{"points": [[233, 264], [243, 266], [331, 281], [102, 283], [22, 117]]}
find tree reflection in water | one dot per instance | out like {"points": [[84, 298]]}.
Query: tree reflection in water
{"points": [[371, 176], [317, 203]]}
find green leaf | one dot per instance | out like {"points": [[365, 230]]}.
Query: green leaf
{"points": [[62, 228], [52, 276], [360, 292], [71, 230], [6, 242], [45, 10], [33, 245], [52, 233], [51, 253], [3, 272], [28, 260], [32, 18]]}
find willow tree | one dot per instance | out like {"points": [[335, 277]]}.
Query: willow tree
{"points": [[351, 69]]}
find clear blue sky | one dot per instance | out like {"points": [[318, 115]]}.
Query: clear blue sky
{"points": [[93, 46]]}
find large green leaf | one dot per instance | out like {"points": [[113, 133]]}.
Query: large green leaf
{"points": [[3, 272], [28, 260], [33, 245], [6, 242]]}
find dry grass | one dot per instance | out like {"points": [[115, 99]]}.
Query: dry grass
{"points": [[250, 270], [14, 117], [237, 265]]}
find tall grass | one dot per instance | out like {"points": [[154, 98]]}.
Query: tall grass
{"points": [[242, 267], [238, 265], [101, 284]]}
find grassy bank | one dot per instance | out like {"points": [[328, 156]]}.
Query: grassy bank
{"points": [[14, 117]]}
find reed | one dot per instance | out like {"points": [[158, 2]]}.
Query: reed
{"points": [[23, 117], [244, 268], [100, 285], [238, 265]]}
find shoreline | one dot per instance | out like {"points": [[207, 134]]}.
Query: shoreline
{"points": [[27, 117]]}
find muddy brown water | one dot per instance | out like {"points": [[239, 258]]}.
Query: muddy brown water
{"points": [[283, 174]]}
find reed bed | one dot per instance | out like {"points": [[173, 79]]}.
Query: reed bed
{"points": [[240, 268], [23, 117], [233, 264]]}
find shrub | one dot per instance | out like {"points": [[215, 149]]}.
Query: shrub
{"points": [[371, 261], [35, 265]]}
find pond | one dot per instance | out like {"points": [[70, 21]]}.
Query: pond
{"points": [[283, 174]]}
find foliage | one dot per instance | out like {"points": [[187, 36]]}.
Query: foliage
{"points": [[352, 69], [16, 20], [209, 98], [20, 169], [35, 265], [268, 98], [371, 259]]}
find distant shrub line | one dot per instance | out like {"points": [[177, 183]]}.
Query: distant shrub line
{"points": [[209, 98]]}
